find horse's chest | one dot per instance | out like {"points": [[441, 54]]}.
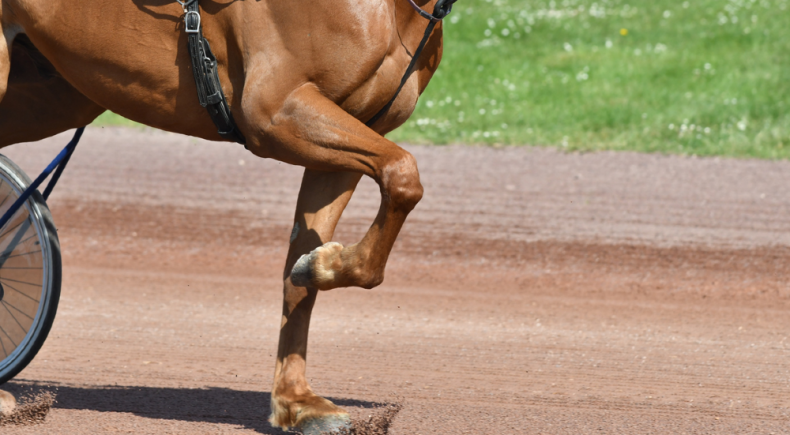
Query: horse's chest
{"points": [[381, 85]]}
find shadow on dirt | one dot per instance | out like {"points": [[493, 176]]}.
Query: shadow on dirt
{"points": [[249, 409]]}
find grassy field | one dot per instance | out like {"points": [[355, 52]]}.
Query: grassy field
{"points": [[109, 118], [703, 77]]}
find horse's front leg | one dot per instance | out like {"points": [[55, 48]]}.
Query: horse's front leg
{"points": [[310, 130], [322, 199]]}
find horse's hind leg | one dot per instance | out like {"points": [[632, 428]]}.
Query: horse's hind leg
{"points": [[38, 102], [322, 199]]}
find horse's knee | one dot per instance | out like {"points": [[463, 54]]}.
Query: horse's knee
{"points": [[401, 182]]}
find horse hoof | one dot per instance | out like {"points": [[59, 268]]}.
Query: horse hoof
{"points": [[313, 269], [7, 403], [331, 424], [301, 274]]}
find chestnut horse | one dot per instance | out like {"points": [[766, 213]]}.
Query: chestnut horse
{"points": [[301, 78]]}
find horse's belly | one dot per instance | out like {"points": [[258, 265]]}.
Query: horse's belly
{"points": [[129, 59]]}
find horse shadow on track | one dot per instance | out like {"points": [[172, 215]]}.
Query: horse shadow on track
{"points": [[248, 409]]}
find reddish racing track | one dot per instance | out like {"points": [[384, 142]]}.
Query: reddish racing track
{"points": [[561, 293]]}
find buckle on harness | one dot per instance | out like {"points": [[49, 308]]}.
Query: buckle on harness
{"points": [[196, 20]]}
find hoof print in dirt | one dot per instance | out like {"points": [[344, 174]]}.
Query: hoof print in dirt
{"points": [[30, 410], [378, 423], [330, 425]]}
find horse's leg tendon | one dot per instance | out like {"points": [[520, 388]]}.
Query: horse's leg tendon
{"points": [[322, 199], [311, 131]]}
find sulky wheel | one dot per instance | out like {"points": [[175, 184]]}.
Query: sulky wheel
{"points": [[29, 273]]}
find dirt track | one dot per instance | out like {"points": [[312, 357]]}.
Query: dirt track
{"points": [[530, 292]]}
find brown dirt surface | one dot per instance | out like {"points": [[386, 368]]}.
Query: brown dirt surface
{"points": [[531, 292], [377, 423], [32, 409]]}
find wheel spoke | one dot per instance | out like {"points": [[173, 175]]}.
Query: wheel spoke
{"points": [[9, 337], [22, 293], [15, 319], [12, 228], [21, 282], [10, 191], [6, 197], [15, 240], [17, 309], [26, 267], [20, 255], [25, 240]]}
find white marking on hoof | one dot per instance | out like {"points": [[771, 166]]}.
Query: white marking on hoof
{"points": [[7, 403], [315, 269], [331, 424]]}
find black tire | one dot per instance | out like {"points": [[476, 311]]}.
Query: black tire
{"points": [[30, 273]]}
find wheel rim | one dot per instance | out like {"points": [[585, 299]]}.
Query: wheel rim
{"points": [[24, 261]]}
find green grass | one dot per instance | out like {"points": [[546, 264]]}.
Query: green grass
{"points": [[705, 77], [108, 118]]}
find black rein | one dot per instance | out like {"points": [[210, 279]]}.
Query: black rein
{"points": [[441, 10]]}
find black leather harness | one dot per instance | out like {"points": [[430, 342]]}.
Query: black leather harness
{"points": [[209, 88], [204, 67]]}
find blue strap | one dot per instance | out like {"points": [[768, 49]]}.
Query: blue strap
{"points": [[59, 163]]}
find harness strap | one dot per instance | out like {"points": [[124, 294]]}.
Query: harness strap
{"points": [[59, 163], [204, 67], [422, 13], [441, 10]]}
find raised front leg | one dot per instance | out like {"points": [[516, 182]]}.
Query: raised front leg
{"points": [[311, 131], [322, 199]]}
